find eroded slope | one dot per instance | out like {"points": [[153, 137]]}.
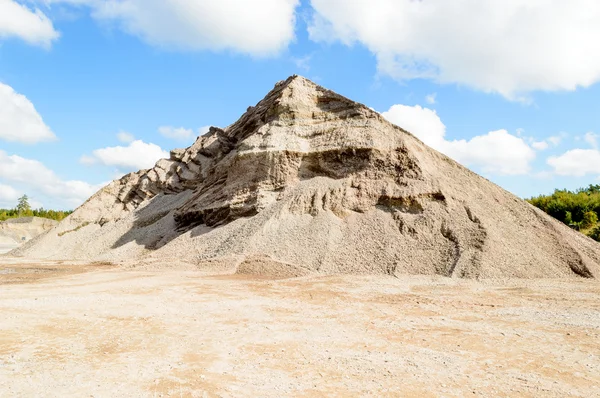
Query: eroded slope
{"points": [[311, 180]]}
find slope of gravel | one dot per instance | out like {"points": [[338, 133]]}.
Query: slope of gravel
{"points": [[317, 183]]}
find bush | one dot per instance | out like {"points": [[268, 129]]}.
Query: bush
{"points": [[572, 208], [590, 219], [595, 234], [568, 218]]}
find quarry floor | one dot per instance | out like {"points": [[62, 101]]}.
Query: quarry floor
{"points": [[5, 248], [91, 330]]}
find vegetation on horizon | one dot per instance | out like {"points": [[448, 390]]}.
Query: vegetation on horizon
{"points": [[23, 209], [580, 209]]}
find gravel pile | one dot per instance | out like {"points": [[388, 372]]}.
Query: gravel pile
{"points": [[308, 181]]}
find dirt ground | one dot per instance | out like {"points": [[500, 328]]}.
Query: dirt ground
{"points": [[5, 247], [92, 330]]}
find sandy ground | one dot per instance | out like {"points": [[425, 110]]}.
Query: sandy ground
{"points": [[5, 248], [91, 330]]}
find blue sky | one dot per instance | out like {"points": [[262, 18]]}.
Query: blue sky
{"points": [[94, 89]]}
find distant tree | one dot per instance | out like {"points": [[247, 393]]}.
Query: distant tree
{"points": [[23, 207], [592, 189], [6, 214], [579, 209], [590, 219]]}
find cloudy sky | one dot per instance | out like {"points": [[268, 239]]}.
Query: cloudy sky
{"points": [[92, 89]]}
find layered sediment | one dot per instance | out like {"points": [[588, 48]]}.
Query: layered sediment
{"points": [[312, 182]]}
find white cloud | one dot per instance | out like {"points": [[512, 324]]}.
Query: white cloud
{"points": [[555, 140], [32, 26], [592, 139], [576, 162], [431, 98], [257, 27], [496, 152], [19, 121], [8, 196], [88, 160], [181, 133], [422, 122], [137, 155], [125, 137], [540, 145], [511, 47], [545, 144], [34, 177], [302, 62]]}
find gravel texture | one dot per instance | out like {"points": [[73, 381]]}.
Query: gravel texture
{"points": [[66, 331], [316, 182]]}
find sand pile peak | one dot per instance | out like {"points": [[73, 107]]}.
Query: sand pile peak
{"points": [[310, 181]]}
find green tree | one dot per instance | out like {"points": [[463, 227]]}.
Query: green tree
{"points": [[595, 234], [590, 219], [6, 214], [579, 209], [568, 218], [23, 207]]}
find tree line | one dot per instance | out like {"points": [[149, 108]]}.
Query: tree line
{"points": [[579, 209], [23, 209]]}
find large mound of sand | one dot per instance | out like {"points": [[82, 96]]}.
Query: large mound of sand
{"points": [[317, 183]]}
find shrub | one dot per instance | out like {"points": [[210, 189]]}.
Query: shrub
{"points": [[590, 219], [568, 218], [595, 234]]}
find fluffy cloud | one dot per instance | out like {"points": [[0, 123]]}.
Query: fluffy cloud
{"points": [[33, 177], [496, 152], [17, 20], [257, 27], [592, 139], [135, 156], [88, 160], [19, 121], [8, 196], [180, 133], [125, 137], [422, 122], [554, 141], [510, 47], [302, 62], [576, 162], [540, 145], [431, 98]]}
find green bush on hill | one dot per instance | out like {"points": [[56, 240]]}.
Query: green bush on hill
{"points": [[580, 209], [595, 234], [23, 209]]}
